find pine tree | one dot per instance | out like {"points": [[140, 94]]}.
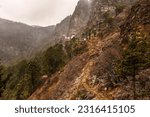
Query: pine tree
{"points": [[135, 57], [33, 70], [1, 82]]}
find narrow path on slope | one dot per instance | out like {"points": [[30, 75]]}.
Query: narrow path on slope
{"points": [[95, 47], [99, 96]]}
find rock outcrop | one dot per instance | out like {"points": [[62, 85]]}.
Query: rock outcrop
{"points": [[79, 18], [18, 40], [92, 74]]}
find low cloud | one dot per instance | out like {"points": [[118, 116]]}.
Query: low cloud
{"points": [[36, 12]]}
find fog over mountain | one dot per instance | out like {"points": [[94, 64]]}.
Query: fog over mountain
{"points": [[101, 51], [37, 12], [18, 39]]}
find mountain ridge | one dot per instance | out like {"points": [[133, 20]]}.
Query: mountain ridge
{"points": [[94, 74], [107, 60], [30, 40]]}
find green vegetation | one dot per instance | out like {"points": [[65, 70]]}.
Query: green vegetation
{"points": [[1, 82], [75, 47], [119, 8], [136, 57], [53, 59], [108, 19], [21, 80], [87, 33]]}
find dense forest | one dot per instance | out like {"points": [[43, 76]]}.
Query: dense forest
{"points": [[21, 80], [105, 57]]}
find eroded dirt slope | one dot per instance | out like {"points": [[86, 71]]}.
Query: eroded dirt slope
{"points": [[79, 73]]}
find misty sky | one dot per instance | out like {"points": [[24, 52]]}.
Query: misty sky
{"points": [[36, 12]]}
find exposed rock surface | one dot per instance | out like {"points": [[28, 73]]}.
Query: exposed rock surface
{"points": [[19, 40], [80, 17], [111, 39], [91, 75]]}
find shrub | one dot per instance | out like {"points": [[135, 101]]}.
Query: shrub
{"points": [[119, 8]]}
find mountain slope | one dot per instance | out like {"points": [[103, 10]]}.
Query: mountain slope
{"points": [[94, 74], [73, 78], [42, 55], [80, 17], [107, 59], [16, 39], [19, 40], [74, 24]]}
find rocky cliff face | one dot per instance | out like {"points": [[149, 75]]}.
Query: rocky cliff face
{"points": [[107, 14], [61, 29], [115, 63], [18, 40], [79, 18], [93, 74], [74, 24]]}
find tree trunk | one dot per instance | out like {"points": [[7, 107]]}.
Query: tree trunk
{"points": [[134, 85]]}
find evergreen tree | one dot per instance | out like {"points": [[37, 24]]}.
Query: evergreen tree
{"points": [[1, 82], [34, 72], [119, 8], [54, 59], [135, 57]]}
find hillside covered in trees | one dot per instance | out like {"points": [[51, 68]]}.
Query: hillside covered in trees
{"points": [[102, 53]]}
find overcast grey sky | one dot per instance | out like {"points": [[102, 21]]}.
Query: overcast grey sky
{"points": [[37, 12]]}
